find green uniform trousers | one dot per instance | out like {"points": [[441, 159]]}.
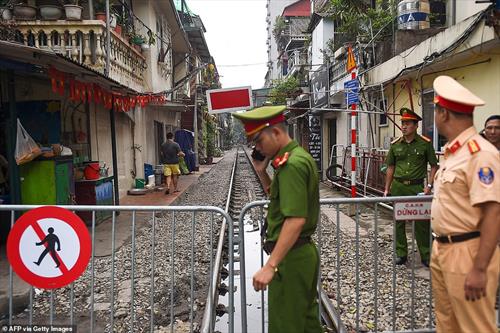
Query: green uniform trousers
{"points": [[422, 228], [292, 296]]}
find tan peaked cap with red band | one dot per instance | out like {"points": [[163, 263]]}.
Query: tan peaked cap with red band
{"points": [[453, 96], [259, 118]]}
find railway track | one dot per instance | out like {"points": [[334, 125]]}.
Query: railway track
{"points": [[244, 187]]}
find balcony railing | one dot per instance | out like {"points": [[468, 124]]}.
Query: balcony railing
{"points": [[338, 70], [296, 60], [84, 42]]}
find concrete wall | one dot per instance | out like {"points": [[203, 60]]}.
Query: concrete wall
{"points": [[320, 36], [150, 12], [480, 76], [459, 10]]}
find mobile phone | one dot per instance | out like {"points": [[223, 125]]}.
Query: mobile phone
{"points": [[256, 155]]}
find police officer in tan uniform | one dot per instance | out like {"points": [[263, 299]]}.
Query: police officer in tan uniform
{"points": [[465, 259]]}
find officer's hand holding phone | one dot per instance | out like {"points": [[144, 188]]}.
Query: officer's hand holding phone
{"points": [[259, 161]]}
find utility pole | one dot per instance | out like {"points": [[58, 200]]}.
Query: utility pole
{"points": [[195, 128], [108, 42], [91, 9]]}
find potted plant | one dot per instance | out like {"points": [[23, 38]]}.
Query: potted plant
{"points": [[150, 41], [49, 10], [24, 11], [137, 40], [72, 9], [100, 10], [119, 24], [5, 10]]}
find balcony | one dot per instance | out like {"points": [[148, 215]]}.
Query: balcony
{"points": [[295, 61], [293, 34], [84, 42]]}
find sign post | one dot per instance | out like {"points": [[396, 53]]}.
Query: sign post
{"points": [[49, 247], [352, 100]]}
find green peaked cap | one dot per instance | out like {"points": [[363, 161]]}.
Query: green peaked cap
{"points": [[407, 114], [261, 113]]}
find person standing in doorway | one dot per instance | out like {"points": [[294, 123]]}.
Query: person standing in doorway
{"points": [[291, 272], [465, 259], [492, 130], [170, 152], [406, 172]]}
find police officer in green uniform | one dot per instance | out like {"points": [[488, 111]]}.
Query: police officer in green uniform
{"points": [[291, 272], [406, 172]]}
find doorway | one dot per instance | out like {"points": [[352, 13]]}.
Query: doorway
{"points": [[160, 139]]}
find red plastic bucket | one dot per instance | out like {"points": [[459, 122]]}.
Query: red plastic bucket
{"points": [[91, 171]]}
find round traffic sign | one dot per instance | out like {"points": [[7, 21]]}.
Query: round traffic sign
{"points": [[49, 247]]}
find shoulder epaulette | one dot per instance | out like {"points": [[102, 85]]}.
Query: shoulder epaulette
{"points": [[396, 140], [426, 139], [280, 160], [473, 146]]}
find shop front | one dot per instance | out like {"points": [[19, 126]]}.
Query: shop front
{"points": [[59, 124]]}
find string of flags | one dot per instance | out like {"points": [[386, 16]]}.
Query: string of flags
{"points": [[88, 92]]}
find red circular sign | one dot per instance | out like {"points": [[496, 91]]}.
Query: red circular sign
{"points": [[49, 247]]}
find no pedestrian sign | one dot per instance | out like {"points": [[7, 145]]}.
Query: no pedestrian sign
{"points": [[49, 247]]}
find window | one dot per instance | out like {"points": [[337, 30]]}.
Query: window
{"points": [[382, 120]]}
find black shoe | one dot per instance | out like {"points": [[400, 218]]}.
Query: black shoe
{"points": [[167, 191], [425, 263], [401, 260]]}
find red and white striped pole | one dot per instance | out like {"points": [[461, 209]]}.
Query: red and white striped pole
{"points": [[353, 143]]}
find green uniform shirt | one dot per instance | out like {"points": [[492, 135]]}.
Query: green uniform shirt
{"points": [[411, 158], [294, 192]]}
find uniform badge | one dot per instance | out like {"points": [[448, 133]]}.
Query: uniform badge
{"points": [[486, 175], [280, 160]]}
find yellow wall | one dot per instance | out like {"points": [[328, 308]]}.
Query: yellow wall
{"points": [[482, 79]]}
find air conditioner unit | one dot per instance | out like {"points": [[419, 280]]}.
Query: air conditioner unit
{"points": [[340, 52]]}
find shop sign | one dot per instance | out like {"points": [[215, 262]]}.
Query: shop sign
{"points": [[319, 88], [412, 211], [315, 139], [49, 247]]}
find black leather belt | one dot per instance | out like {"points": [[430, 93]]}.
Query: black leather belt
{"points": [[410, 181], [269, 245], [456, 238]]}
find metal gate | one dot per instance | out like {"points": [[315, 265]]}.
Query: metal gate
{"points": [[139, 272], [375, 297]]}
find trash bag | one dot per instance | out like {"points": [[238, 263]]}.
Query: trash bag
{"points": [[26, 147], [183, 166]]}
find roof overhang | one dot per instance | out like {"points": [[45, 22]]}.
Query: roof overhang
{"points": [[180, 42], [197, 39], [43, 59]]}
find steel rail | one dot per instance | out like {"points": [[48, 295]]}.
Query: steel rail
{"points": [[207, 323]]}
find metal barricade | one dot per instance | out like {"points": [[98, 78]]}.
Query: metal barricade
{"points": [[357, 268], [145, 284]]}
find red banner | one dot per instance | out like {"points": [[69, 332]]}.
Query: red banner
{"points": [[87, 92]]}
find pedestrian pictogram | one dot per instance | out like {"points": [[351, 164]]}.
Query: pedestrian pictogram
{"points": [[51, 241], [351, 61], [49, 247]]}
